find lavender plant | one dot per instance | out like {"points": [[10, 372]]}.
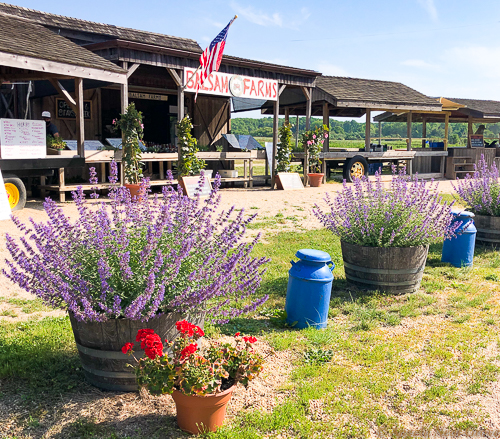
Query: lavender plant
{"points": [[481, 191], [406, 214], [139, 259]]}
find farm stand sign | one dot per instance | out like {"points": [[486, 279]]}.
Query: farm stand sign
{"points": [[224, 84]]}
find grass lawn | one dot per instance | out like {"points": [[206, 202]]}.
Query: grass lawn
{"points": [[386, 365]]}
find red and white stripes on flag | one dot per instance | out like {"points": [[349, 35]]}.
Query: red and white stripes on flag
{"points": [[210, 59]]}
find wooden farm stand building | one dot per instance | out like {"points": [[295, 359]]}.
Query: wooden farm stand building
{"points": [[352, 97], [155, 68], [459, 161], [31, 52]]}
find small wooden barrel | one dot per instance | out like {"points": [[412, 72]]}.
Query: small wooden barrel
{"points": [[391, 269], [488, 230], [99, 346]]}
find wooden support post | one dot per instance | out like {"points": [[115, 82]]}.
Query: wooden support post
{"points": [[250, 172], [367, 130], [62, 194], [103, 172], [297, 133], [245, 174], [326, 143], [124, 91], [308, 93], [161, 171], [287, 115], [80, 121], [43, 192], [408, 132], [470, 131], [380, 133], [180, 116], [275, 140], [446, 130], [424, 131]]}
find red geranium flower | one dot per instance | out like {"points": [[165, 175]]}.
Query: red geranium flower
{"points": [[189, 350], [249, 339], [238, 333], [142, 333], [127, 348]]}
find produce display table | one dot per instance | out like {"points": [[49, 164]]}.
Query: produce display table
{"points": [[105, 157]]}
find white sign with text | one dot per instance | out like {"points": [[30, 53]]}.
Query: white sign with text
{"points": [[22, 139], [225, 84], [5, 212]]}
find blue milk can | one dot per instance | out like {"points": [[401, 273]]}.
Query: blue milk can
{"points": [[459, 251], [309, 288]]}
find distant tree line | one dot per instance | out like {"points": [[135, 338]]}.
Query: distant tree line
{"points": [[352, 130]]}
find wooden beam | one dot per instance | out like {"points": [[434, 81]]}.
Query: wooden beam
{"points": [[58, 68], [408, 130], [287, 115], [282, 89], [132, 69], [326, 121], [64, 93], [367, 130], [80, 121], [175, 77], [275, 140], [379, 132], [306, 92]]}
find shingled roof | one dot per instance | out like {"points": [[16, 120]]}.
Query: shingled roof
{"points": [[22, 37], [488, 108], [113, 32], [354, 91]]}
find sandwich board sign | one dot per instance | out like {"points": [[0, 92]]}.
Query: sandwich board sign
{"points": [[5, 212], [22, 139], [289, 181], [191, 186]]}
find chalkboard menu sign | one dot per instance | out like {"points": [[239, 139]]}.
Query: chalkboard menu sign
{"points": [[64, 111], [289, 181], [476, 141], [190, 185], [22, 139]]}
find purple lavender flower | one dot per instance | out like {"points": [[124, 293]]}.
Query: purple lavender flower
{"points": [[138, 259], [406, 214]]}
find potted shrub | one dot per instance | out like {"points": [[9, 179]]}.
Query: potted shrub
{"points": [[55, 145], [189, 163], [481, 193], [385, 232], [201, 381], [132, 130], [312, 141], [126, 265]]}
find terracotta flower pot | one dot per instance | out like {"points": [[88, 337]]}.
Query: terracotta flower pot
{"points": [[136, 193], [315, 180], [200, 414]]}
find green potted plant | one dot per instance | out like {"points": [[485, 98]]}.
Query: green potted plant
{"points": [[481, 193], [200, 380], [132, 129], [385, 232], [284, 152], [312, 141], [56, 143], [189, 164], [126, 265]]}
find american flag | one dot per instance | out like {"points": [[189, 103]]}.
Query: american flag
{"points": [[210, 59]]}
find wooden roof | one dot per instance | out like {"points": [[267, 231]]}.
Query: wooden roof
{"points": [[112, 32], [369, 93], [29, 46], [487, 108]]}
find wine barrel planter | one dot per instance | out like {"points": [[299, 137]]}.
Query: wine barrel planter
{"points": [[488, 230], [391, 269], [99, 346]]}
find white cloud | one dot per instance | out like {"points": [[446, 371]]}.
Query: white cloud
{"points": [[330, 69], [267, 19], [481, 61], [430, 8], [419, 63]]}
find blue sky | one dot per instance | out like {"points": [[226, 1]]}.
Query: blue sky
{"points": [[439, 47]]}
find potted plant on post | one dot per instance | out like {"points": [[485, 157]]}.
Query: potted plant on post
{"points": [[201, 381], [385, 232], [189, 163], [122, 266], [55, 145], [481, 193], [132, 130], [312, 141]]}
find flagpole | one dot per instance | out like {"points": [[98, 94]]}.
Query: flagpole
{"points": [[196, 71]]}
